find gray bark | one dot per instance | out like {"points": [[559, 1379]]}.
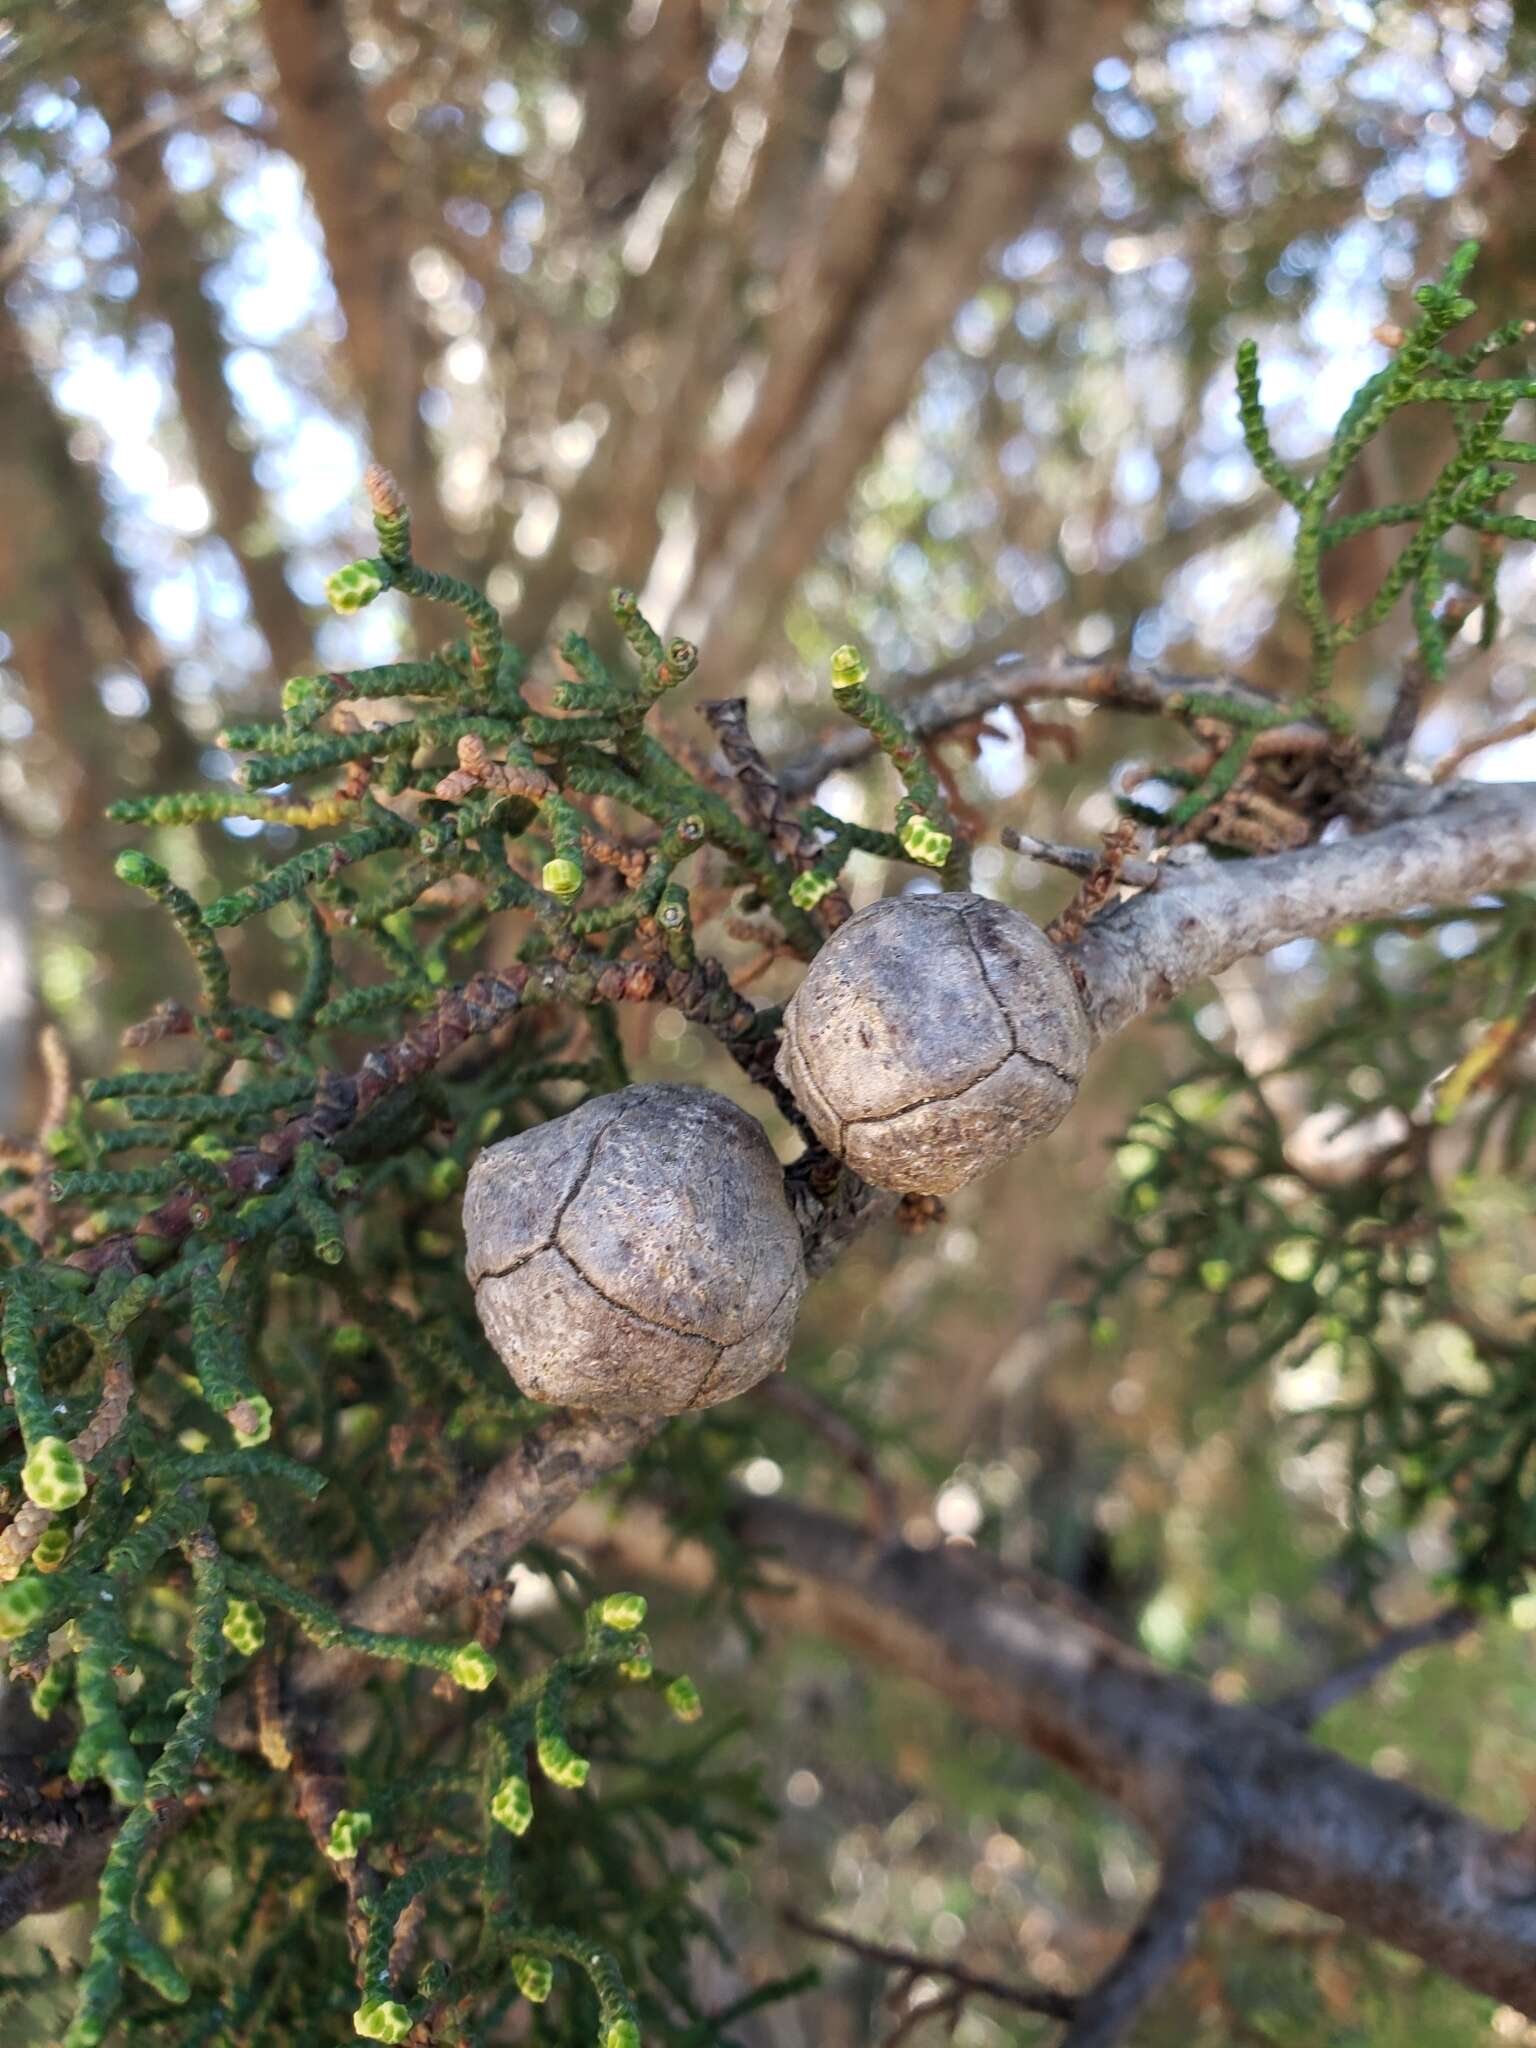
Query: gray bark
{"points": [[1467, 839], [1023, 1658]]}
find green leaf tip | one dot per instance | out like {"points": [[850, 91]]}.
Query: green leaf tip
{"points": [[512, 1805], [534, 1976], [472, 1667], [562, 878], [251, 1420], [381, 2019], [923, 841], [624, 1611], [807, 890], [349, 1830], [245, 1626], [139, 871], [560, 1763], [52, 1476], [682, 1696], [353, 586], [23, 1603], [52, 1548], [849, 668]]}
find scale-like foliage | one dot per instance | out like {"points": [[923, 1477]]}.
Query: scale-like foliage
{"points": [[243, 1361], [1465, 495], [1369, 1257], [1366, 1271]]}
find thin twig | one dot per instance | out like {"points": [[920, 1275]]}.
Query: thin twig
{"points": [[53, 1875], [1413, 685], [1096, 887], [1054, 2005], [793, 1398], [40, 219], [1515, 729], [933, 706], [1306, 1705], [58, 1082], [467, 1547], [488, 999], [764, 804], [1079, 860], [1205, 1862], [945, 2005]]}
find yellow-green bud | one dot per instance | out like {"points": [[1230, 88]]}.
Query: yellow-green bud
{"points": [[349, 1830], [562, 878], [640, 1667], [444, 1177], [251, 1420], [52, 1547], [534, 1977], [922, 840], [560, 1763], [807, 890], [849, 668], [138, 870], [512, 1805], [682, 1696], [472, 1667], [49, 1691], [23, 1602], [52, 1475], [352, 587], [305, 697], [350, 1340], [622, 2034], [245, 1626], [623, 1611], [381, 2019]]}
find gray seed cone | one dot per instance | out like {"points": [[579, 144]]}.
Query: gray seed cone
{"points": [[637, 1255], [932, 1036]]}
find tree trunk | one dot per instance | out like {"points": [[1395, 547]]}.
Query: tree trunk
{"points": [[985, 179], [355, 185], [173, 288], [878, 143], [69, 610]]}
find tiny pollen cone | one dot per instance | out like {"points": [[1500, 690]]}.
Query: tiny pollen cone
{"points": [[383, 492]]}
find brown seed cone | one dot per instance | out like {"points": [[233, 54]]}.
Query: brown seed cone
{"points": [[637, 1255], [932, 1036]]}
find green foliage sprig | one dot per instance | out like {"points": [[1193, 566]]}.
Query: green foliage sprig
{"points": [[1421, 370], [1377, 1274], [242, 1357], [238, 1324], [1443, 584]]}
